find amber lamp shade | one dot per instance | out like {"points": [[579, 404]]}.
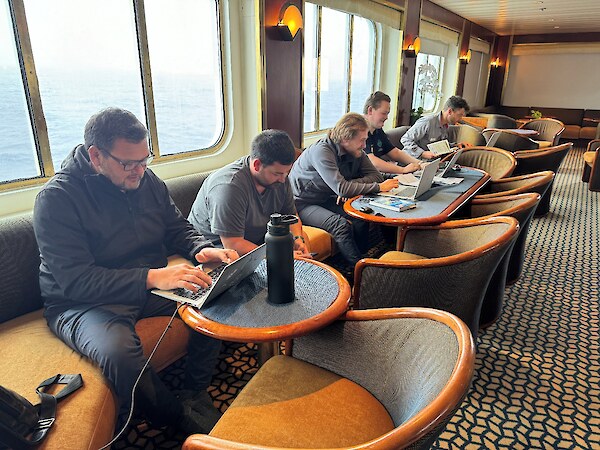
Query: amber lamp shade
{"points": [[290, 21], [413, 49]]}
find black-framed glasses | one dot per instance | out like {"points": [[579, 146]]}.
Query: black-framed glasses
{"points": [[129, 165]]}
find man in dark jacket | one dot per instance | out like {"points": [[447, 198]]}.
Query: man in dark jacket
{"points": [[333, 169], [105, 225]]}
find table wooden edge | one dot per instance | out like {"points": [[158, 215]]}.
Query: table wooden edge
{"points": [[430, 220], [199, 323]]}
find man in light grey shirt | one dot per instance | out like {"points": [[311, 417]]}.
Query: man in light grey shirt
{"points": [[235, 203], [434, 128]]}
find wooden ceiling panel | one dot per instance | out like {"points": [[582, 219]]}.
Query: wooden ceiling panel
{"points": [[506, 17]]}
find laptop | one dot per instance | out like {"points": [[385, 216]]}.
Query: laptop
{"points": [[425, 182], [223, 277], [450, 164]]}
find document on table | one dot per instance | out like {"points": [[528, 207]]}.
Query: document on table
{"points": [[407, 179], [447, 180]]}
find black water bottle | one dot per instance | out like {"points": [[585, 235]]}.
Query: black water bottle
{"points": [[280, 258]]}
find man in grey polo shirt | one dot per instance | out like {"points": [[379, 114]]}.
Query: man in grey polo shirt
{"points": [[235, 203], [434, 128]]}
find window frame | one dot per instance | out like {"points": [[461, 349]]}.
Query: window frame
{"points": [[34, 101], [350, 28]]}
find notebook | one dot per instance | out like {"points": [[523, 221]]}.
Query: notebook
{"points": [[440, 148], [392, 203], [224, 276], [425, 182]]}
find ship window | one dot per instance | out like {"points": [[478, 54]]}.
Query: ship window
{"points": [[161, 61], [339, 57]]}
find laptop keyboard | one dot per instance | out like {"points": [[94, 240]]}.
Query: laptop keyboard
{"points": [[408, 191], [214, 274]]}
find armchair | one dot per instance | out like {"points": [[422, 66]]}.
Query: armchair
{"points": [[550, 158], [497, 162], [549, 130], [448, 267], [511, 141], [522, 208], [404, 401], [591, 167], [469, 134], [535, 182]]}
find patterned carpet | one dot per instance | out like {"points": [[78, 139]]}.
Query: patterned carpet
{"points": [[536, 383], [537, 378]]}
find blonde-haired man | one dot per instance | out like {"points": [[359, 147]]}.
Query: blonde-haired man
{"points": [[332, 168]]}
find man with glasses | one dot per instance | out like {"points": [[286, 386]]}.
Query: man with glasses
{"points": [[105, 225], [434, 127]]}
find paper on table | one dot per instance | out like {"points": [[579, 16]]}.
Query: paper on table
{"points": [[407, 179], [447, 180]]}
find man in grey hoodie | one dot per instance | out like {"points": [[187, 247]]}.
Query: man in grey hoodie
{"points": [[331, 170]]}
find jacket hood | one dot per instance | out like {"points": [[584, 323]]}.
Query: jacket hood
{"points": [[77, 163]]}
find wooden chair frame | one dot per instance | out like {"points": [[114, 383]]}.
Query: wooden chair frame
{"points": [[544, 178], [419, 425], [591, 174]]}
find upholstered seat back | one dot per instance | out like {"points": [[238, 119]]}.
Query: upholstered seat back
{"points": [[548, 158], [395, 134], [498, 163], [468, 134], [548, 129], [454, 278], [360, 351], [19, 268], [184, 189], [511, 142], [501, 121]]}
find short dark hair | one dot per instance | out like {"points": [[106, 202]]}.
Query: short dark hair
{"points": [[273, 146], [456, 102], [110, 124], [375, 99]]}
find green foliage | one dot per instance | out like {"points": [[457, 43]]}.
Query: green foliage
{"points": [[536, 114], [415, 114]]}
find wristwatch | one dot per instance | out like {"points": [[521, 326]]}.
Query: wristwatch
{"points": [[300, 237]]}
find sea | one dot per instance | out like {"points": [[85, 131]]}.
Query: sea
{"points": [[189, 111]]}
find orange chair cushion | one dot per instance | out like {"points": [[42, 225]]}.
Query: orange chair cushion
{"points": [[544, 144], [320, 242], [31, 353], [400, 256], [589, 157], [291, 403]]}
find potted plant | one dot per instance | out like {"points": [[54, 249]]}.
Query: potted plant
{"points": [[415, 114], [535, 114]]}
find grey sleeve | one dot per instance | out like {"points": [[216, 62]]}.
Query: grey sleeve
{"points": [[414, 134], [228, 206], [370, 173], [325, 164]]}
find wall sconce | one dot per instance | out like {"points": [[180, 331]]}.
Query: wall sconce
{"points": [[290, 21], [466, 58], [412, 50], [495, 63]]}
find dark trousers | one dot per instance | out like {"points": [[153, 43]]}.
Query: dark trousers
{"points": [[350, 235], [106, 334]]}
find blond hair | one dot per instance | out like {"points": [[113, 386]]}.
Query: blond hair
{"points": [[348, 127]]}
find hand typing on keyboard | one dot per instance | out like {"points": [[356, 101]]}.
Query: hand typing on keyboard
{"points": [[178, 276]]}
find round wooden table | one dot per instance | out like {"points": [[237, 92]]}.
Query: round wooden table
{"points": [[243, 314]]}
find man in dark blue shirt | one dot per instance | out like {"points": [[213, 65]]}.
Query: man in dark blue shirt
{"points": [[381, 152]]}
